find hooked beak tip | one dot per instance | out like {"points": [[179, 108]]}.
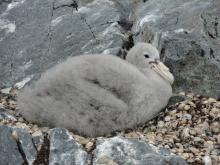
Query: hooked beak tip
{"points": [[162, 70]]}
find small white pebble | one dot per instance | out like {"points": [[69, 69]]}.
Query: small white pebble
{"points": [[6, 90], [37, 133], [186, 107], [211, 100], [44, 129], [160, 124], [207, 160], [15, 135], [167, 118], [188, 116]]}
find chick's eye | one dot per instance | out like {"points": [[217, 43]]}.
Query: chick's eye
{"points": [[146, 56]]}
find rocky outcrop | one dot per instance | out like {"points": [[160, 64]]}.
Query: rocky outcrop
{"points": [[36, 34], [64, 149], [9, 147], [6, 116], [121, 151], [18, 147], [188, 35]]}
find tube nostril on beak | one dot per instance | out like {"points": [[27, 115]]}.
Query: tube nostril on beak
{"points": [[154, 62]]}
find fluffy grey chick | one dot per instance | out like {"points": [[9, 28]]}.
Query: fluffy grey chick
{"points": [[95, 95]]}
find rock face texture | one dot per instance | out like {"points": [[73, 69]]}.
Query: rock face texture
{"points": [[64, 149], [37, 34], [17, 147], [188, 35], [9, 150], [128, 152], [25, 142]]}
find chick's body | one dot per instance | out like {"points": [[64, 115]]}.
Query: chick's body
{"points": [[94, 95]]}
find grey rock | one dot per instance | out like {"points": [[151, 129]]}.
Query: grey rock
{"points": [[4, 115], [16, 146], [5, 90], [37, 34], [26, 145], [187, 32], [38, 141], [64, 149], [176, 99], [9, 150], [4, 4], [130, 151]]}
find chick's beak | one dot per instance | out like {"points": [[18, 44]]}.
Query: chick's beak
{"points": [[162, 70]]}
